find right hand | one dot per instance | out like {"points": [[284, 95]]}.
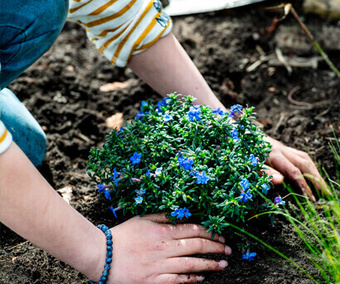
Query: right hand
{"points": [[148, 250]]}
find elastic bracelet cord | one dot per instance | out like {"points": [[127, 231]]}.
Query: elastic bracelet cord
{"points": [[108, 260]]}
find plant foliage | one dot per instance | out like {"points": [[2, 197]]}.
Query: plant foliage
{"points": [[186, 160]]}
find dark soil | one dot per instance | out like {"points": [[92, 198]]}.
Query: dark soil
{"points": [[62, 92]]}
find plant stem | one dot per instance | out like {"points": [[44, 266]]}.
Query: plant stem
{"points": [[311, 38]]}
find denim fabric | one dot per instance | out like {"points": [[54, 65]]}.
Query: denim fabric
{"points": [[26, 131], [28, 28]]}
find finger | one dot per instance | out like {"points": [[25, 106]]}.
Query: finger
{"points": [[306, 165], [193, 265], [185, 231], [283, 165], [175, 248], [277, 176], [178, 278]]}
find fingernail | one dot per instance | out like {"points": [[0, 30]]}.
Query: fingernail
{"points": [[278, 178], [221, 240], [199, 278], [227, 250], [223, 263]]}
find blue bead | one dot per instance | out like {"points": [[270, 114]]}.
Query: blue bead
{"points": [[109, 248], [107, 267], [108, 260]]}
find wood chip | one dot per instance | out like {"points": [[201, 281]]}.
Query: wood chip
{"points": [[109, 87], [66, 193], [116, 121]]}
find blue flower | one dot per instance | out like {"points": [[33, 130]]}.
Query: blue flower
{"points": [[148, 172], [184, 162], [144, 104], [167, 118], [194, 113], [101, 187], [178, 213], [202, 178], [265, 188], [248, 255], [115, 174], [235, 110], [245, 184], [139, 200], [245, 196], [119, 131], [186, 212], [253, 160], [278, 200], [140, 115], [107, 194], [235, 134], [113, 211], [135, 158], [158, 171], [218, 111], [140, 192], [164, 102]]}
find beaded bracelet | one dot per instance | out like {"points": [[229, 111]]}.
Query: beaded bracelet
{"points": [[108, 260]]}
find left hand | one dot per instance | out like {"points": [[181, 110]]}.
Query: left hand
{"points": [[295, 164]]}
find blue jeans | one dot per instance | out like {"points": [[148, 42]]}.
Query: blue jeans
{"points": [[28, 28]]}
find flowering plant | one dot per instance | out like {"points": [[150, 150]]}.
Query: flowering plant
{"points": [[188, 161]]}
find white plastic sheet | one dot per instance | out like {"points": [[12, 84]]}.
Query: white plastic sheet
{"points": [[186, 7]]}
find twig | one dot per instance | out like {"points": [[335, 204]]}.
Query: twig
{"points": [[289, 8], [317, 46], [283, 61], [322, 113], [282, 117], [305, 104], [290, 97], [18, 245]]}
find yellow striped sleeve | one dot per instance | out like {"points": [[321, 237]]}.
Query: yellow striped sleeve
{"points": [[121, 28], [5, 138]]}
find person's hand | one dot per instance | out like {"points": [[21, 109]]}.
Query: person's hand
{"points": [[296, 165], [147, 250]]}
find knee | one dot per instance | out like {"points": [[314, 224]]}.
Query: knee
{"points": [[27, 30], [26, 131]]}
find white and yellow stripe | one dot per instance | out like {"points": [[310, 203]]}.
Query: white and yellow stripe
{"points": [[5, 138], [120, 29]]}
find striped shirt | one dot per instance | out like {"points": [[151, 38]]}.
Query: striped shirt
{"points": [[119, 29], [5, 138]]}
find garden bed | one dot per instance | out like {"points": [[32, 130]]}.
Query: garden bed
{"points": [[62, 90]]}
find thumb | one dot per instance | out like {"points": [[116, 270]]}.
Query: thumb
{"points": [[277, 176]]}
